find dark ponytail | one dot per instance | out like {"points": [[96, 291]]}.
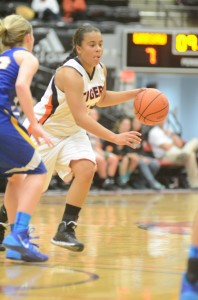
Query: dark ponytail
{"points": [[72, 54]]}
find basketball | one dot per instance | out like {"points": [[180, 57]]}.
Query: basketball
{"points": [[151, 106]]}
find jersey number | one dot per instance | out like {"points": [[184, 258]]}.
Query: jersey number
{"points": [[4, 62]]}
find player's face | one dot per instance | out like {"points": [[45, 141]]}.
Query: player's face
{"points": [[91, 49], [136, 124], [125, 125]]}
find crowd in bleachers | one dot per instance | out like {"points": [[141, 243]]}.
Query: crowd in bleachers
{"points": [[143, 168], [72, 10]]}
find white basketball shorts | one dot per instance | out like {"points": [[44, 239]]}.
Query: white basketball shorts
{"points": [[59, 157]]}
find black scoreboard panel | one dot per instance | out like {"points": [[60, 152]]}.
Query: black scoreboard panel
{"points": [[168, 51]]}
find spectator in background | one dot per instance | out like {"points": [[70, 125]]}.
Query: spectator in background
{"points": [[166, 144], [46, 10], [148, 165], [131, 159], [128, 160], [25, 11], [107, 162], [74, 10], [144, 129]]}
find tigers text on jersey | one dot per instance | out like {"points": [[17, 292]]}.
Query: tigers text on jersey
{"points": [[53, 110]]}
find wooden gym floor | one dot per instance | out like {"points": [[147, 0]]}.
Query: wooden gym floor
{"points": [[136, 246]]}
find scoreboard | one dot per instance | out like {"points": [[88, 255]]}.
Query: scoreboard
{"points": [[161, 50]]}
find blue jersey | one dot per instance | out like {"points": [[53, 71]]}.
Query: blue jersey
{"points": [[17, 152], [8, 74]]}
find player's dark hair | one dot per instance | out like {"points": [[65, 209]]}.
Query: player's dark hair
{"points": [[78, 37]]}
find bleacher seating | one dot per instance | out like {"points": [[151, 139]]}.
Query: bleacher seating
{"points": [[180, 7], [120, 14], [108, 2]]}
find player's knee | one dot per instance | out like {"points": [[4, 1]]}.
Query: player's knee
{"points": [[84, 169], [89, 171]]}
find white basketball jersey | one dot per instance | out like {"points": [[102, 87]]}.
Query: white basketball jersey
{"points": [[53, 110]]}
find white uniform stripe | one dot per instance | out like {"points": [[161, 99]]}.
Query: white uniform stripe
{"points": [[33, 164]]}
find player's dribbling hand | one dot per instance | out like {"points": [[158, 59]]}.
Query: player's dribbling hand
{"points": [[38, 133], [130, 139]]}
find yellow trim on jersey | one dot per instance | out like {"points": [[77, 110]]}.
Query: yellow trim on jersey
{"points": [[22, 132]]}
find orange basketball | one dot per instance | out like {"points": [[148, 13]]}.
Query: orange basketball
{"points": [[151, 106]]}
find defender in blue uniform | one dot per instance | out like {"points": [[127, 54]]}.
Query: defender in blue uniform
{"points": [[17, 153]]}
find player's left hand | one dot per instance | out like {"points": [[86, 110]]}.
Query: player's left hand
{"points": [[38, 132]]}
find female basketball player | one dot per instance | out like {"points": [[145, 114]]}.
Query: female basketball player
{"points": [[77, 87], [17, 152]]}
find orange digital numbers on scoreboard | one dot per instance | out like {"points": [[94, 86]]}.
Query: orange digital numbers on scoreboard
{"points": [[152, 55]]}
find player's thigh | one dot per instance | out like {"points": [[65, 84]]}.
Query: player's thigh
{"points": [[75, 148]]}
